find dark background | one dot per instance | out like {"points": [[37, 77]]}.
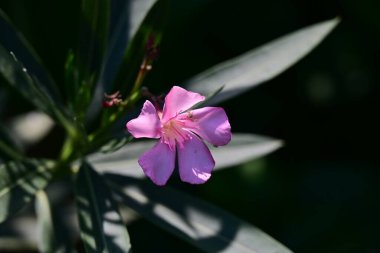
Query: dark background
{"points": [[320, 193]]}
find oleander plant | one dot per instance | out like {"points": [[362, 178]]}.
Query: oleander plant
{"points": [[106, 112]]}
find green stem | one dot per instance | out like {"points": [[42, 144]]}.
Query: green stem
{"points": [[67, 150], [100, 137]]}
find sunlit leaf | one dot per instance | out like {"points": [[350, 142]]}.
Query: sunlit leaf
{"points": [[13, 41], [137, 11], [261, 64], [242, 148], [45, 227], [209, 97], [49, 231], [19, 182], [201, 224], [31, 127], [101, 227]]}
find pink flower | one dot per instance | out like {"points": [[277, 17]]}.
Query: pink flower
{"points": [[180, 131]]}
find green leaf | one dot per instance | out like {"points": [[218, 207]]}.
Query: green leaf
{"points": [[151, 27], [261, 64], [208, 98], [18, 78], [201, 224], [101, 226], [126, 16], [30, 128], [14, 42], [94, 38], [242, 148], [49, 230], [82, 68], [45, 227], [115, 144], [136, 12], [19, 182]]}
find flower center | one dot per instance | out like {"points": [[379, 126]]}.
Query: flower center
{"points": [[173, 132]]}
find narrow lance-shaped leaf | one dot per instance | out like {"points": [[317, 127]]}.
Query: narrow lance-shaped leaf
{"points": [[17, 77], [83, 67], [45, 227], [94, 37], [137, 10], [116, 144], [150, 29], [124, 78], [30, 128], [261, 64], [126, 18], [50, 233], [14, 42], [101, 226], [201, 224], [19, 182], [242, 148]]}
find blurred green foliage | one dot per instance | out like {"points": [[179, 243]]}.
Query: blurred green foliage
{"points": [[320, 192]]}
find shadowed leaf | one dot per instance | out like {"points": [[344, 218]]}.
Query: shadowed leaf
{"points": [[83, 67], [14, 42], [18, 78], [101, 227], [115, 144], [201, 224], [151, 28], [132, 22], [19, 182], [126, 18], [94, 37]]}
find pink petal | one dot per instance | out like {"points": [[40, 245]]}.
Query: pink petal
{"points": [[211, 124], [195, 161], [179, 100], [147, 124], [158, 163]]}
